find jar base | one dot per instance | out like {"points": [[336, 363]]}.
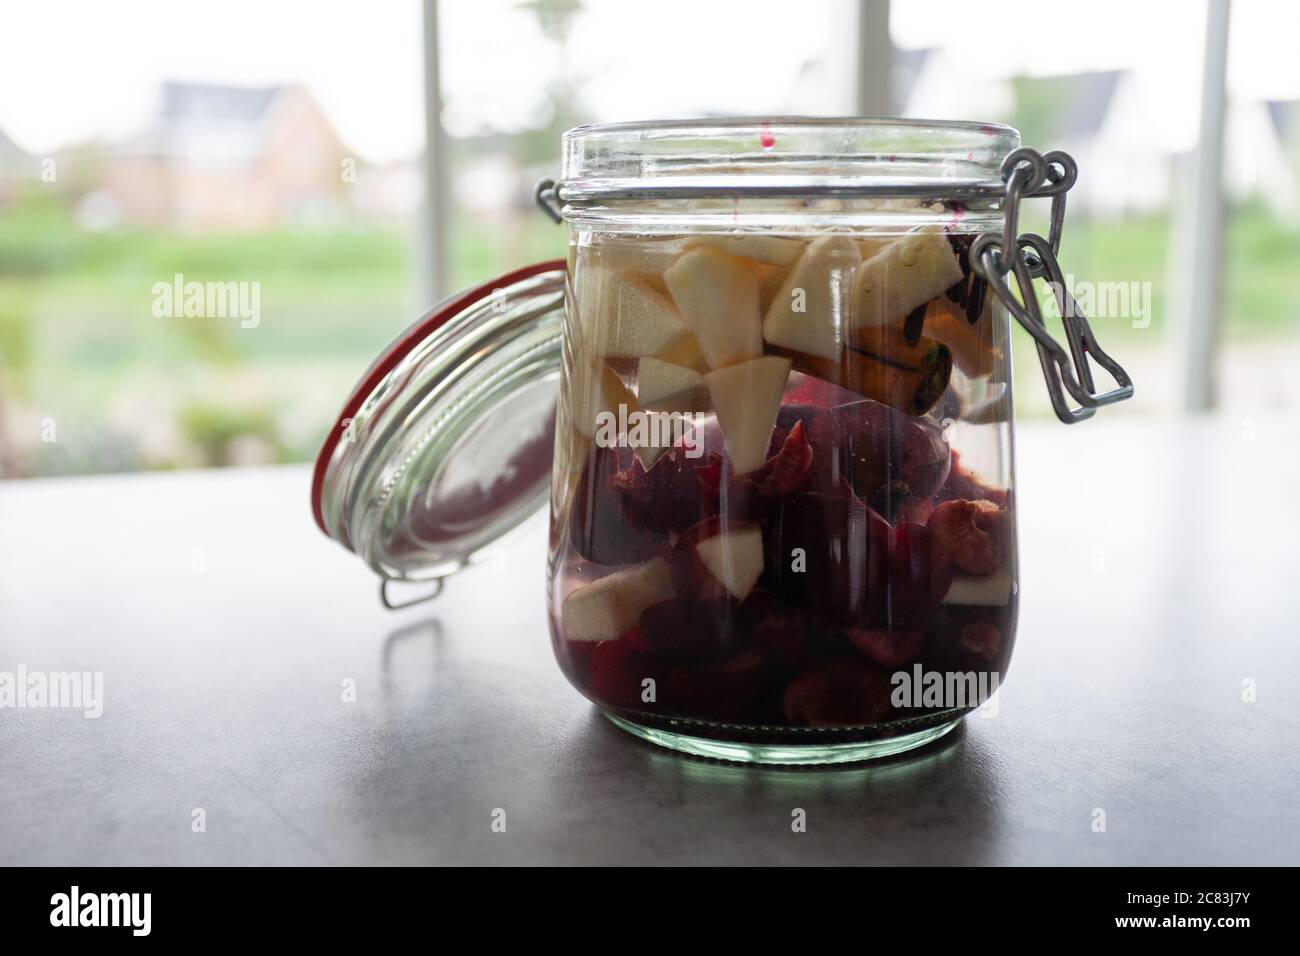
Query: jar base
{"points": [[803, 754]]}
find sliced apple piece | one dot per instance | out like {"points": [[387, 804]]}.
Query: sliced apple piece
{"points": [[869, 246], [746, 398], [810, 312], [599, 390], [718, 297], [685, 351], [620, 315], [650, 257], [992, 590], [771, 278], [665, 386], [603, 610], [734, 558], [908, 272], [773, 250]]}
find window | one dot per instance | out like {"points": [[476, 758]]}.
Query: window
{"points": [[272, 157]]}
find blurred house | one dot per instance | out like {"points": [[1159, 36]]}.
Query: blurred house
{"points": [[1125, 155], [217, 157], [17, 166], [931, 84], [1263, 155], [1132, 151], [1285, 117], [1131, 147]]}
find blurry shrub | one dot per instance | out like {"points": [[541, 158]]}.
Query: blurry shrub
{"points": [[231, 435]]}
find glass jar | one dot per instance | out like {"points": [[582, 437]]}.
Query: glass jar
{"points": [[782, 513]]}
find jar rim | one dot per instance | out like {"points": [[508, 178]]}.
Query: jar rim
{"points": [[810, 122], [784, 156]]}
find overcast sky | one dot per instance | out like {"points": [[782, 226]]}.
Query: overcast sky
{"points": [[71, 69]]}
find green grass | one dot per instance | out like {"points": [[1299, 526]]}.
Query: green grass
{"points": [[79, 343]]}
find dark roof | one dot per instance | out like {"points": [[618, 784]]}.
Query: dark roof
{"points": [[907, 68], [1072, 106], [1088, 103], [9, 148], [1284, 115], [202, 101]]}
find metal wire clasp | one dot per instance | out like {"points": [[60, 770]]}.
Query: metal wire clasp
{"points": [[1029, 174], [393, 605], [545, 194]]}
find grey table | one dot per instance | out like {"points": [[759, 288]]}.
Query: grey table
{"points": [[1155, 680]]}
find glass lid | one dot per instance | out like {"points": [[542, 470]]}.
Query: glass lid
{"points": [[784, 155], [445, 443]]}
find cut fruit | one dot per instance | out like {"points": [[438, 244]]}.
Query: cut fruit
{"points": [[869, 247], [601, 391], [810, 313], [649, 455], [716, 691], [683, 630], [910, 378], [604, 609], [786, 471], [773, 250], [993, 590], [734, 558], [973, 535], [620, 315], [746, 398], [888, 458], [664, 386], [838, 693], [971, 345], [684, 351], [618, 669], [647, 256], [771, 279], [664, 499], [718, 297], [598, 529], [980, 639], [907, 273], [888, 648], [842, 546]]}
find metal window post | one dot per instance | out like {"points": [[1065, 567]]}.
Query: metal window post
{"points": [[1201, 281], [875, 59], [435, 210]]}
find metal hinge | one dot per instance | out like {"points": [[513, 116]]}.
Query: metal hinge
{"points": [[1027, 174]]}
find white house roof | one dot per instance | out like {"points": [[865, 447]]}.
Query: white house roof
{"points": [[205, 102], [209, 123]]}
